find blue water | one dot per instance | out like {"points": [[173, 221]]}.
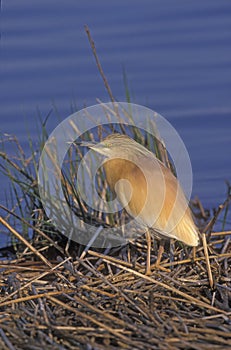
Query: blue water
{"points": [[177, 58]]}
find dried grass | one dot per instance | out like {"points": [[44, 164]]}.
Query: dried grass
{"points": [[105, 301]]}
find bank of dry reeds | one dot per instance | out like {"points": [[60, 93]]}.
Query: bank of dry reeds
{"points": [[104, 300]]}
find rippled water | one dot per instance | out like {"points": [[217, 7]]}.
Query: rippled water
{"points": [[177, 58]]}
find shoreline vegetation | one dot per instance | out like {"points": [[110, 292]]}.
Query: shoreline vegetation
{"points": [[58, 294]]}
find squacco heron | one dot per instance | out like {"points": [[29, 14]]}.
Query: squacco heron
{"points": [[152, 195]]}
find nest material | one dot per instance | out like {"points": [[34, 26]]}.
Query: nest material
{"points": [[105, 301]]}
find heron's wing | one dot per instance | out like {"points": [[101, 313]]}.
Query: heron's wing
{"points": [[153, 196]]}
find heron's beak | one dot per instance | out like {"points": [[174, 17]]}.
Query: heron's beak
{"points": [[89, 144], [98, 147]]}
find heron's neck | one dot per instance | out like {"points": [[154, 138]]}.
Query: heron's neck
{"points": [[117, 169]]}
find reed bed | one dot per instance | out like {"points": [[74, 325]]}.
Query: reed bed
{"points": [[58, 294], [104, 300]]}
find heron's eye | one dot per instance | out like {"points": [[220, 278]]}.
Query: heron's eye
{"points": [[108, 144]]}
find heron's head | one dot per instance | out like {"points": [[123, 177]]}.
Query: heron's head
{"points": [[116, 145]]}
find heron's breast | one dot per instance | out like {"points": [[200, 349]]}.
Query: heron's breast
{"points": [[131, 193]]}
